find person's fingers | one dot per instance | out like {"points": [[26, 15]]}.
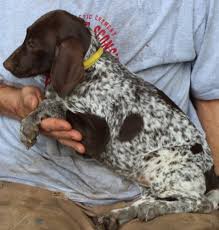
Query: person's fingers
{"points": [[55, 124], [69, 138], [73, 144], [68, 135]]}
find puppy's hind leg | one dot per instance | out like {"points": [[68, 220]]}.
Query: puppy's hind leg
{"points": [[117, 217], [169, 205], [148, 208]]}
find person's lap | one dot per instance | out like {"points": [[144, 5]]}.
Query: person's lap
{"points": [[26, 207]]}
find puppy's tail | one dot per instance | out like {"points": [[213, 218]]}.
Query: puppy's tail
{"points": [[212, 187], [211, 180]]}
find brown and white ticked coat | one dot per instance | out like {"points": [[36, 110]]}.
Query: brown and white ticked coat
{"points": [[135, 130]]}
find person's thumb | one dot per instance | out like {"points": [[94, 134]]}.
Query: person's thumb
{"points": [[32, 98], [30, 102]]}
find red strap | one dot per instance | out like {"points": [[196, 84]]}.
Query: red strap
{"points": [[47, 80]]}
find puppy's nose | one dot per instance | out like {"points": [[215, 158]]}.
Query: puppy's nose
{"points": [[8, 64]]}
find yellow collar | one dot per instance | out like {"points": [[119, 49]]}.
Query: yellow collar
{"points": [[93, 58]]}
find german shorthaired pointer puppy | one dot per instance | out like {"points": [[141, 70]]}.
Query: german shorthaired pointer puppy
{"points": [[128, 124]]}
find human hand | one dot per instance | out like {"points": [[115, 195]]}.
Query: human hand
{"points": [[27, 100], [62, 131]]}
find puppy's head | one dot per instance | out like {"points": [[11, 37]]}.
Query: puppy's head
{"points": [[56, 43]]}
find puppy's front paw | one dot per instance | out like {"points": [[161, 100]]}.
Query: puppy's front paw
{"points": [[29, 131]]}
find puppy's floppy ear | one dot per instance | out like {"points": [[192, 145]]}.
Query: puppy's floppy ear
{"points": [[67, 69]]}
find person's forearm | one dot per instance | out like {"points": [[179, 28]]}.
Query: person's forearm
{"points": [[8, 96], [208, 112]]}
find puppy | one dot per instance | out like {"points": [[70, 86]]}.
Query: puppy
{"points": [[127, 124]]}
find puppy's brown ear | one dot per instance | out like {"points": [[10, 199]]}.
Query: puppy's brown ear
{"points": [[67, 69]]}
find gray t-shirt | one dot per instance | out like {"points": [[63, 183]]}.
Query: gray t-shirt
{"points": [[173, 44]]}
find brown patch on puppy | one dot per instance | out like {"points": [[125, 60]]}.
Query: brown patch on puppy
{"points": [[197, 148], [132, 125], [143, 181], [94, 130]]}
